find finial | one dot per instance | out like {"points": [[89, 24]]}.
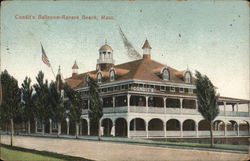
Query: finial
{"points": [[187, 68], [105, 41]]}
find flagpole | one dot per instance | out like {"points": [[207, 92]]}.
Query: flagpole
{"points": [[52, 71], [49, 64]]}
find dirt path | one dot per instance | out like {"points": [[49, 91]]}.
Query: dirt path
{"points": [[117, 151]]}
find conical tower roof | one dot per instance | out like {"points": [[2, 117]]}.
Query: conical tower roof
{"points": [[146, 45], [75, 66]]}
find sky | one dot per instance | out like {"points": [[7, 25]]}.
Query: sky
{"points": [[209, 36]]}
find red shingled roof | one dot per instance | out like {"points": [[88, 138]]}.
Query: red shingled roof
{"points": [[142, 69]]}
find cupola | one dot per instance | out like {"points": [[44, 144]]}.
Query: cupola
{"points": [[105, 61], [146, 50]]}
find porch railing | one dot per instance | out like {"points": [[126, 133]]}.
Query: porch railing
{"points": [[162, 110], [173, 133], [189, 133], [156, 110], [138, 133], [155, 133]]}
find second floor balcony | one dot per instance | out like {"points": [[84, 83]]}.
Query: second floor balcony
{"points": [[132, 103]]}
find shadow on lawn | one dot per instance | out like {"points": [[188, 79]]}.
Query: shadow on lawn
{"points": [[45, 153]]}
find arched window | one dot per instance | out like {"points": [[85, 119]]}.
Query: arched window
{"points": [[165, 74], [112, 75], [99, 77], [187, 77]]}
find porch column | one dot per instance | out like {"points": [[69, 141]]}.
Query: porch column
{"points": [[146, 129], [50, 126], [88, 104], [128, 101], [237, 109], [197, 129], [225, 129], [67, 120], [249, 129], [35, 125], [128, 126], [164, 101], [224, 107], [113, 129], [165, 129], [181, 99], [181, 129], [113, 103], [80, 129], [147, 103], [238, 129], [248, 109], [196, 105], [88, 122], [59, 130]]}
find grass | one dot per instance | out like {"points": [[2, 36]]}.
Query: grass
{"points": [[231, 147], [223, 147], [21, 154]]}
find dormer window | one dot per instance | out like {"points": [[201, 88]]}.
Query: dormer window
{"points": [[165, 74], [99, 77], [112, 75], [187, 77]]}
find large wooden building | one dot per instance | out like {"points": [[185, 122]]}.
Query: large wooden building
{"points": [[144, 98]]}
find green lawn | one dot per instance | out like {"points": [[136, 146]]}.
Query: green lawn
{"points": [[243, 148], [20, 154]]}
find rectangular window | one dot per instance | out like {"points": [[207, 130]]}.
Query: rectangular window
{"points": [[172, 89], [163, 88], [190, 90], [181, 90]]}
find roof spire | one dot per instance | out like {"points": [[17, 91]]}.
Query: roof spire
{"points": [[75, 66], [105, 41], [146, 45], [146, 50]]}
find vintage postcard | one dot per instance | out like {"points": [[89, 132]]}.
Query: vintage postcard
{"points": [[125, 80]]}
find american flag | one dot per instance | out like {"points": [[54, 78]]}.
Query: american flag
{"points": [[44, 57]]}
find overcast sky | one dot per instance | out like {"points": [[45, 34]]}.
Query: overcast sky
{"points": [[210, 36]]}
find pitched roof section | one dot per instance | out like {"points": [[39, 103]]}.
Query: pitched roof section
{"points": [[142, 69], [146, 45], [74, 83]]}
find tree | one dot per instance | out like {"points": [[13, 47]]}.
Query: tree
{"points": [[207, 101], [27, 101], [95, 112], [76, 104], [56, 103], [41, 97], [10, 108]]}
